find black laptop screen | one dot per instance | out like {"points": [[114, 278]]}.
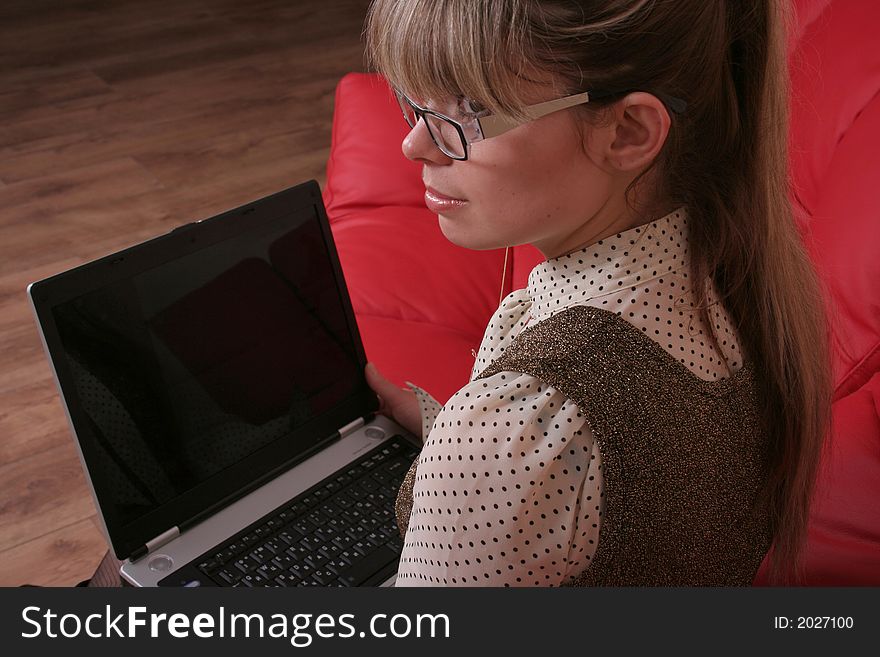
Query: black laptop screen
{"points": [[187, 368]]}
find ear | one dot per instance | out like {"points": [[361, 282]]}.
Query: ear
{"points": [[638, 132]]}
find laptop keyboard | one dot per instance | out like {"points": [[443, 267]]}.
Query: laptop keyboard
{"points": [[341, 532]]}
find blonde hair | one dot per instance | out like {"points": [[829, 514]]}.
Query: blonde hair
{"points": [[725, 158]]}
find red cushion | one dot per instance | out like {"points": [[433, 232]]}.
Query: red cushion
{"points": [[366, 166], [843, 547], [835, 135], [398, 265], [845, 246]]}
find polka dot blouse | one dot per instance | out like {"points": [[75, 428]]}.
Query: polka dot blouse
{"points": [[509, 488]]}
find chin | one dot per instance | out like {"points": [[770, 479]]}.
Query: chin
{"points": [[466, 242]]}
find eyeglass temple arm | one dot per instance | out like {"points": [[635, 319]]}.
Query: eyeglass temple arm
{"points": [[494, 125]]}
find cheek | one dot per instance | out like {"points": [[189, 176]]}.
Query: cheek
{"points": [[534, 179]]}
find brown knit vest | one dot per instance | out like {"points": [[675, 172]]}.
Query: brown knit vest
{"points": [[683, 459]]}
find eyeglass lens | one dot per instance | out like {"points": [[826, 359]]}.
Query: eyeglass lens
{"points": [[444, 134]]}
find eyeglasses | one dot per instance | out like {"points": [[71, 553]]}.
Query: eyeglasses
{"points": [[453, 136]]}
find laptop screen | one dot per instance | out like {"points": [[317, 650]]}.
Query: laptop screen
{"points": [[185, 369]]}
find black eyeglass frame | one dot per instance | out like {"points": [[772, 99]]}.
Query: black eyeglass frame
{"points": [[485, 125]]}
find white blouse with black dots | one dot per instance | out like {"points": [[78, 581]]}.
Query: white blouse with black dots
{"points": [[509, 488]]}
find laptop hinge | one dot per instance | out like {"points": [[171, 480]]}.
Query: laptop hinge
{"points": [[351, 427], [163, 539]]}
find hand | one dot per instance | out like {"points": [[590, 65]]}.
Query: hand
{"points": [[399, 404]]}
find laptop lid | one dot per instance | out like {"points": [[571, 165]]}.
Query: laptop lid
{"points": [[202, 363]]}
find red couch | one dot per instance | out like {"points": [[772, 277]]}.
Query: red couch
{"points": [[422, 303]]}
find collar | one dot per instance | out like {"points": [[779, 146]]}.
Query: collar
{"points": [[625, 260]]}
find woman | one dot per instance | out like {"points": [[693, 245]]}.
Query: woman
{"points": [[652, 408]]}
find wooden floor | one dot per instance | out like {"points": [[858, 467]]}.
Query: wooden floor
{"points": [[119, 120]]}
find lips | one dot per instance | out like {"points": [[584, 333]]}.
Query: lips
{"points": [[439, 203]]}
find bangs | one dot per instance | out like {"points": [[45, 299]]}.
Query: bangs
{"points": [[442, 48]]}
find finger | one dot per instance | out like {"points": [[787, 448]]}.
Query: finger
{"points": [[382, 386]]}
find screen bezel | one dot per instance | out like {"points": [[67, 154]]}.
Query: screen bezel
{"points": [[251, 472]]}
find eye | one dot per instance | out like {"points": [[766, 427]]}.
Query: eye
{"points": [[470, 107]]}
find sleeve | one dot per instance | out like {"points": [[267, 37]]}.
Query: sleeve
{"points": [[428, 407], [507, 490]]}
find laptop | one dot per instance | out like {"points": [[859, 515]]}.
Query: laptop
{"points": [[213, 378]]}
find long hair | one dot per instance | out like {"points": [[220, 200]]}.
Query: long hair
{"points": [[725, 158]]}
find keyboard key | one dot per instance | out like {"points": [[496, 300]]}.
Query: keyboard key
{"points": [[381, 475], [246, 564], [371, 522], [301, 570], [289, 537], [298, 552], [349, 557], [368, 566], [261, 555], [352, 515], [397, 466], [363, 506], [330, 550], [311, 543], [388, 531], [356, 492], [356, 532], [229, 576], [343, 542], [316, 560], [343, 500], [326, 534], [283, 561], [304, 526], [370, 484], [336, 566], [285, 580], [269, 571], [254, 580], [329, 509], [337, 525], [208, 566], [323, 577], [363, 546]]}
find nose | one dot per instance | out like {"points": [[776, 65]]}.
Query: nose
{"points": [[419, 147]]}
